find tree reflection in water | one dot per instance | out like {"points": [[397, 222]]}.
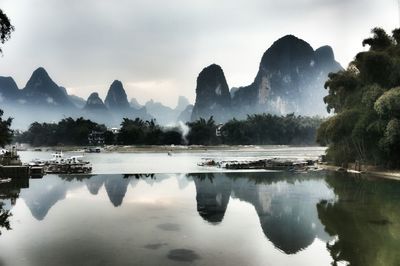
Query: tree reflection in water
{"points": [[9, 193], [4, 216], [365, 219]]}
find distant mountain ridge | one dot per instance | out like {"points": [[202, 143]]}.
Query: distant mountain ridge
{"points": [[42, 100], [166, 115], [290, 79]]}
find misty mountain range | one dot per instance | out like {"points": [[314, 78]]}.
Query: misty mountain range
{"points": [[290, 80], [42, 100]]}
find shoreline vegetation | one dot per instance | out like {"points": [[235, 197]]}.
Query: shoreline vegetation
{"points": [[365, 100], [262, 129]]}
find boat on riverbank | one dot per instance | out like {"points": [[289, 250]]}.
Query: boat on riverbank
{"points": [[58, 164], [275, 164], [11, 165]]}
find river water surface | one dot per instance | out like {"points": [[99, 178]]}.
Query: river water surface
{"points": [[198, 218]]}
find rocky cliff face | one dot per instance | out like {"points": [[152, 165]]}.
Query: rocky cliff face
{"points": [[290, 79], [42, 90], [95, 103], [8, 89], [96, 110], [212, 95], [116, 98]]}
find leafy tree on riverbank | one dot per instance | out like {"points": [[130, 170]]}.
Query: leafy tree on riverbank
{"points": [[5, 33], [263, 129], [140, 132], [365, 99], [267, 129], [6, 133], [203, 132]]}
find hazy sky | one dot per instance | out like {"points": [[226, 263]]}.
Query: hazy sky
{"points": [[158, 47]]}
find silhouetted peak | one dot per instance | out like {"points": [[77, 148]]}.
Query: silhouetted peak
{"points": [[94, 101], [325, 53], [212, 69], [8, 88], [287, 50], [116, 96], [41, 89], [40, 71], [212, 95], [39, 75], [212, 80], [8, 81]]}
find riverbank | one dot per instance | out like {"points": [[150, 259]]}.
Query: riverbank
{"points": [[173, 148], [387, 174]]}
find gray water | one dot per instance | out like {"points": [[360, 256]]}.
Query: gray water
{"points": [[236, 218], [179, 161]]}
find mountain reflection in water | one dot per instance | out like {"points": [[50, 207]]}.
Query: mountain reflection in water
{"points": [[357, 219]]}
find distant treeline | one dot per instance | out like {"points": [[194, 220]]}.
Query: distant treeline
{"points": [[258, 129], [263, 129]]}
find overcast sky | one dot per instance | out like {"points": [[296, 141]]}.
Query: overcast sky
{"points": [[158, 47]]}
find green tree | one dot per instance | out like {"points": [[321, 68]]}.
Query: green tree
{"points": [[6, 133], [5, 28], [365, 99], [202, 132]]}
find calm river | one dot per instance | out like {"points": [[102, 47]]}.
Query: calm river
{"points": [[185, 215]]}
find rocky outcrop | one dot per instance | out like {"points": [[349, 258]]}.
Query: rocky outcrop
{"points": [[42, 90], [95, 103], [8, 89], [212, 95], [290, 79], [116, 98]]}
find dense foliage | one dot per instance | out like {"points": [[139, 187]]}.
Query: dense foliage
{"points": [[264, 129], [258, 129], [261, 129], [139, 132], [366, 101], [203, 132], [66, 132], [5, 28], [5, 131]]}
